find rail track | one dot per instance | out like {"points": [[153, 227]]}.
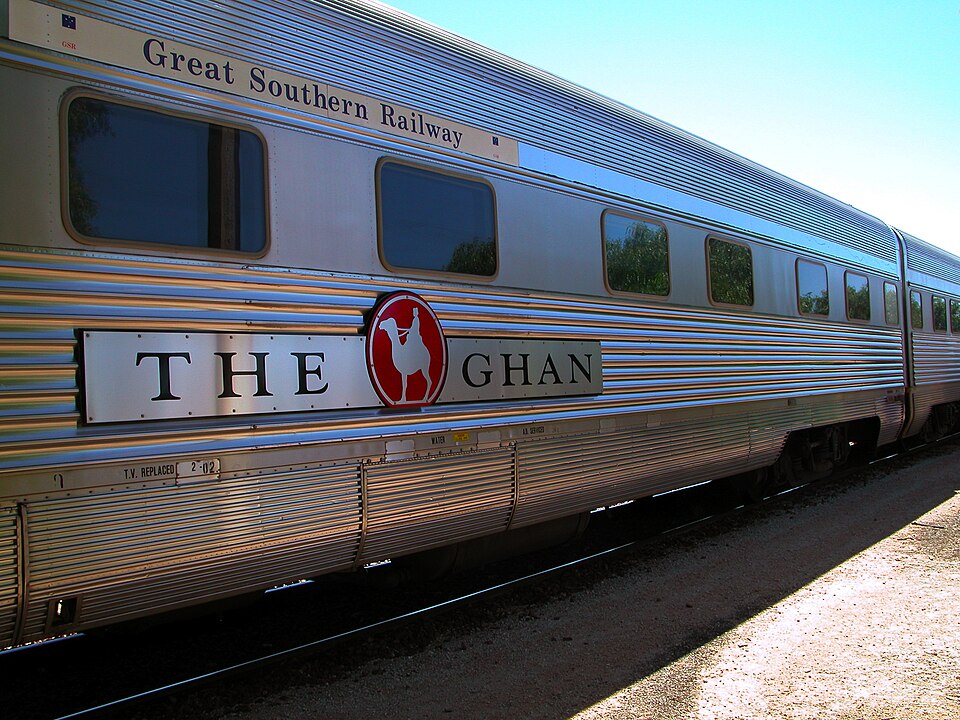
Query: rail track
{"points": [[145, 672]]}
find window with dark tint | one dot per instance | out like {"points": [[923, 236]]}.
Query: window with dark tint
{"points": [[731, 273], [916, 309], [955, 316], [858, 296], [433, 221], [891, 304], [144, 176], [812, 288], [939, 314], [636, 254]]}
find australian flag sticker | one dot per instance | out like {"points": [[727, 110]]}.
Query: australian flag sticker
{"points": [[69, 21]]}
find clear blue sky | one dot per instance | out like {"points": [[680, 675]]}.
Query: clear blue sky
{"points": [[860, 100]]}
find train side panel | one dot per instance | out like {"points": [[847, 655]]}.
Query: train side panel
{"points": [[103, 520], [933, 308]]}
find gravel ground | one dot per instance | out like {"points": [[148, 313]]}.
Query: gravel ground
{"points": [[842, 606]]}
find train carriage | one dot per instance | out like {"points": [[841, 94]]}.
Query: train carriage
{"points": [[292, 289], [932, 282]]}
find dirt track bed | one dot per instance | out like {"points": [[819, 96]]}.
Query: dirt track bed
{"points": [[839, 604]]}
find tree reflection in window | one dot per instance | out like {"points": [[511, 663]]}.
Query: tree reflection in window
{"points": [[433, 221], [939, 314], [476, 257], [731, 273], [87, 119], [637, 255], [814, 299], [858, 296], [916, 309], [144, 176], [891, 304]]}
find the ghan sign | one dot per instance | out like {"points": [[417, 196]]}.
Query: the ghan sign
{"points": [[130, 376]]}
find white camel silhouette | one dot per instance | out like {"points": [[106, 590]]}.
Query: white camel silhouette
{"points": [[408, 352]]}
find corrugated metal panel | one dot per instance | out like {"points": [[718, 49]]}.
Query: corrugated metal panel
{"points": [[891, 414], [768, 432], [137, 551], [929, 260], [204, 541], [9, 573], [935, 372], [709, 356], [927, 396], [768, 428], [653, 356], [438, 72], [417, 504], [564, 476], [936, 359]]}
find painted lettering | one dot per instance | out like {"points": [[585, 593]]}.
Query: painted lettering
{"points": [[417, 124], [257, 82], [155, 53], [549, 368], [163, 369], [148, 471], [509, 368], [304, 373], [309, 94], [585, 371], [228, 374], [469, 372]]}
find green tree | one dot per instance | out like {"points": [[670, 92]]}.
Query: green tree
{"points": [[638, 261], [858, 301], [731, 273], [86, 119], [814, 303], [476, 257]]}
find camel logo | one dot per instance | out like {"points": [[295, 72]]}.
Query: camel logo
{"points": [[406, 351]]}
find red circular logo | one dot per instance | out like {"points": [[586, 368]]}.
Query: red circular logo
{"points": [[406, 351]]}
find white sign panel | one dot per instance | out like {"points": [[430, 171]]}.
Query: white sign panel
{"points": [[139, 376], [129, 376], [486, 369]]}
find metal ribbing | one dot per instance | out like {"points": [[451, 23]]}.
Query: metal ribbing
{"points": [[925, 258], [549, 112], [936, 359], [443, 74], [9, 564], [927, 396], [561, 476], [422, 503], [670, 358], [653, 356], [161, 547], [565, 476]]}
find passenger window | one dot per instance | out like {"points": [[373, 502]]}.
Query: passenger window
{"points": [[144, 176], [858, 296], [939, 314], [636, 254], [437, 222], [891, 304], [916, 310], [955, 316], [812, 294], [731, 272]]}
